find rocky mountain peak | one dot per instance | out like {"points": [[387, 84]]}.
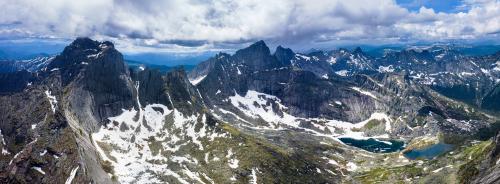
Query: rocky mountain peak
{"points": [[358, 50], [87, 43], [311, 50], [86, 47], [84, 53], [284, 55], [221, 55], [259, 47], [259, 44], [83, 43], [317, 53], [281, 49], [342, 51], [257, 56]]}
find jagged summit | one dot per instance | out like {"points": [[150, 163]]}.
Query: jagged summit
{"points": [[87, 43], [221, 55], [284, 55], [89, 55], [84, 42], [259, 48], [343, 50], [86, 47], [259, 43], [311, 50], [256, 56], [357, 50], [281, 49]]}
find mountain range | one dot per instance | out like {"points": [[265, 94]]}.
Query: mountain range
{"points": [[426, 115]]}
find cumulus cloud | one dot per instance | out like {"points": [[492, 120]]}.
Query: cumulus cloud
{"points": [[207, 24], [482, 19]]}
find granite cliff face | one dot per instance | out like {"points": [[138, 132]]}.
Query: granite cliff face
{"points": [[347, 94], [307, 93], [84, 116], [46, 123]]}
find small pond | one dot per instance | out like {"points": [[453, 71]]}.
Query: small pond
{"points": [[375, 145], [429, 152]]}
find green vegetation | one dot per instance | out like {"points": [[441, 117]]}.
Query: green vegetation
{"points": [[475, 155], [459, 166], [384, 174], [271, 163], [107, 166], [373, 123], [107, 149]]}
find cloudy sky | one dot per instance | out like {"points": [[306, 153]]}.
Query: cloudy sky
{"points": [[208, 25]]}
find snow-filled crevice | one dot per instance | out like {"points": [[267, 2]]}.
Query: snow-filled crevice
{"points": [[142, 143], [256, 105]]}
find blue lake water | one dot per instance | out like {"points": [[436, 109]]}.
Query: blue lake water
{"points": [[375, 145], [429, 152]]}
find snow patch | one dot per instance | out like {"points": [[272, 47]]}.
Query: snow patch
{"points": [[253, 180], [129, 137], [52, 100], [351, 166], [332, 60], [386, 69], [233, 163], [466, 74], [437, 170], [300, 56], [364, 92], [270, 109], [4, 145], [39, 170], [72, 175], [360, 135], [440, 56], [254, 105], [239, 72], [20, 152], [330, 161], [43, 153], [342, 73], [197, 80], [497, 68]]}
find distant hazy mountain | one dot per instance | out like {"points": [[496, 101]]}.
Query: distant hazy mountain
{"points": [[137, 65], [23, 50], [169, 59]]}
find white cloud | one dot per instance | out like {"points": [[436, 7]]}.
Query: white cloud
{"points": [[177, 24], [481, 20]]}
